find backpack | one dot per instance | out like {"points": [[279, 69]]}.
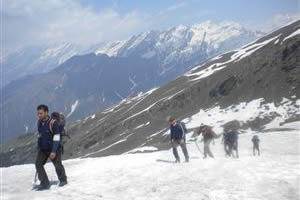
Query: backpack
{"points": [[208, 132], [183, 127], [255, 139], [61, 120], [232, 137]]}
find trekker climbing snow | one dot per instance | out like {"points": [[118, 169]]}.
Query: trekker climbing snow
{"points": [[177, 138], [48, 147], [225, 143], [208, 136], [255, 141], [232, 142]]}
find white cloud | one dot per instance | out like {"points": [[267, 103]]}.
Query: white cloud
{"points": [[32, 22], [176, 6]]}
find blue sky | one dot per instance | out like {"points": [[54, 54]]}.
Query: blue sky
{"points": [[195, 11], [89, 21]]}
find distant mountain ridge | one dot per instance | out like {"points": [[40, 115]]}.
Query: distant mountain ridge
{"points": [[169, 46]]}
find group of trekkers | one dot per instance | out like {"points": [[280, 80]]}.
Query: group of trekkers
{"points": [[51, 134], [230, 140]]}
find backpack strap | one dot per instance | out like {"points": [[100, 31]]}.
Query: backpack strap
{"points": [[183, 132], [38, 126], [51, 123]]}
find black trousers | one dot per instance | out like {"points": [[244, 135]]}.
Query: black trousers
{"points": [[41, 160], [233, 146], [256, 148], [182, 144]]}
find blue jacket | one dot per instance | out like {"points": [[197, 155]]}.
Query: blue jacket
{"points": [[177, 131], [48, 141], [232, 137]]}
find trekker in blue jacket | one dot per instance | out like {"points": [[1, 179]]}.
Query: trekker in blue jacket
{"points": [[177, 138], [48, 147], [232, 141]]}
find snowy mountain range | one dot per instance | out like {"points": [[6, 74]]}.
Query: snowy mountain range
{"points": [[82, 84], [182, 43], [176, 45], [256, 85], [37, 59]]}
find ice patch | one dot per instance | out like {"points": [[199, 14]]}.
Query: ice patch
{"points": [[143, 149], [236, 56], [134, 85], [170, 97], [216, 58], [26, 128], [292, 125], [111, 49], [149, 54], [243, 112], [142, 125], [297, 32], [247, 51], [73, 108], [155, 134], [118, 142]]}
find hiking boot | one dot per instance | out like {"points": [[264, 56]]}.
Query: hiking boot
{"points": [[187, 160], [177, 161], [43, 187], [62, 183]]}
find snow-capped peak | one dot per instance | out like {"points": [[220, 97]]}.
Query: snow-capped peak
{"points": [[181, 42], [111, 48]]}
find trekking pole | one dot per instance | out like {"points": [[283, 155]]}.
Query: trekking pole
{"points": [[35, 178]]}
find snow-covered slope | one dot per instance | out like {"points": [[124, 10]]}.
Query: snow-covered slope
{"points": [[272, 176]]}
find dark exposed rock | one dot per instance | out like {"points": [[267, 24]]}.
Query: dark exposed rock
{"points": [[225, 88]]}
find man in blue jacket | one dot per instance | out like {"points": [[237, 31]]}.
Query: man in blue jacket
{"points": [[48, 147], [177, 138], [232, 140]]}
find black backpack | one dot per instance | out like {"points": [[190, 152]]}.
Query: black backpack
{"points": [[255, 139], [61, 120]]}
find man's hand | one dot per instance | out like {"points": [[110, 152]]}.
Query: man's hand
{"points": [[181, 141], [52, 156]]}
